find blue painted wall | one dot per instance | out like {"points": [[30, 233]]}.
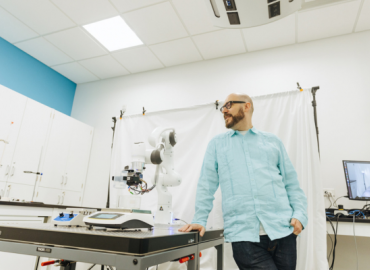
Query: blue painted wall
{"points": [[24, 74]]}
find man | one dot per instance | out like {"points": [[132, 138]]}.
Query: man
{"points": [[264, 209]]}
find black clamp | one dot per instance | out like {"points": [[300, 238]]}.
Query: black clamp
{"points": [[299, 87], [32, 172], [144, 111], [114, 119], [216, 103]]}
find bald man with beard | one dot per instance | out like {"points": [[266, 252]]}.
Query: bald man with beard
{"points": [[264, 209]]}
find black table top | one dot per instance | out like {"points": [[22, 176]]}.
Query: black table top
{"points": [[162, 237]]}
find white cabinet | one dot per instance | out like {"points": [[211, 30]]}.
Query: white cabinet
{"points": [[34, 140], [57, 196], [55, 161], [48, 195], [2, 188], [30, 143], [71, 198], [19, 192], [67, 154], [12, 107], [78, 156]]}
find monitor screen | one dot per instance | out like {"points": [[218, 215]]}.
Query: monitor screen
{"points": [[357, 174], [106, 216]]}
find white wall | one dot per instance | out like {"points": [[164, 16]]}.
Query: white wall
{"points": [[340, 66]]}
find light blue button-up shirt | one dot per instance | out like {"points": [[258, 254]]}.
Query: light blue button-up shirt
{"points": [[258, 184]]}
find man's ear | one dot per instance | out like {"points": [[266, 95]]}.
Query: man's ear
{"points": [[247, 107]]}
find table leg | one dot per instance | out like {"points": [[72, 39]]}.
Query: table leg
{"points": [[194, 264], [220, 256]]}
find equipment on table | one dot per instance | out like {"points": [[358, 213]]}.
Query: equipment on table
{"points": [[341, 211], [73, 217], [163, 139], [249, 13], [121, 219], [357, 175]]}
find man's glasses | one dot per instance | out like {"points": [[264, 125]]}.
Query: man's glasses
{"points": [[229, 104]]}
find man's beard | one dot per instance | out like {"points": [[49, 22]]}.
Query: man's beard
{"points": [[234, 119]]}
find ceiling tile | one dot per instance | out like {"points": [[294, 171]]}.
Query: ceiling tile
{"points": [[364, 19], [76, 43], [87, 11], [156, 23], [127, 5], [104, 67], [138, 59], [41, 15], [43, 51], [329, 21], [76, 73], [275, 34], [220, 43], [12, 29], [196, 20], [177, 52]]}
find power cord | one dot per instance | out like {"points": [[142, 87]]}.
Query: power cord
{"points": [[354, 235], [181, 220], [335, 202], [335, 230]]}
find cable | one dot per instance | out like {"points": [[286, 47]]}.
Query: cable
{"points": [[331, 240], [334, 245], [354, 235], [181, 220], [335, 240], [335, 202]]}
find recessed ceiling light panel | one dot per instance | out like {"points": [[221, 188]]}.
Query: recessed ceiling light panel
{"points": [[113, 33]]}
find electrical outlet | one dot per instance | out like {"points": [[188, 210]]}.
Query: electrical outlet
{"points": [[328, 191]]}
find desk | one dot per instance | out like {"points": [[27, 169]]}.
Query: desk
{"points": [[124, 250], [346, 228]]}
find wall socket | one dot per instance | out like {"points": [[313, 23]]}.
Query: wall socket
{"points": [[329, 191]]}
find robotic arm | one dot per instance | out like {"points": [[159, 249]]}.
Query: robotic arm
{"points": [[163, 140]]}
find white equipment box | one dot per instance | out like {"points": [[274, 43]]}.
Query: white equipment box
{"points": [[121, 219], [73, 217]]}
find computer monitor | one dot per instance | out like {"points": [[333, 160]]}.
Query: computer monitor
{"points": [[357, 174]]}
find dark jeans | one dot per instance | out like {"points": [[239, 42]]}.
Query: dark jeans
{"points": [[280, 254]]}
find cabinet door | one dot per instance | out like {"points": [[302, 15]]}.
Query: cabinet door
{"points": [[78, 156], [19, 192], [71, 198], [30, 143], [12, 105], [55, 161], [48, 195], [2, 188]]}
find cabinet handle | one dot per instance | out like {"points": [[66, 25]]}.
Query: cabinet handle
{"points": [[62, 180], [58, 199], [65, 183], [8, 191], [63, 198], [37, 194], [7, 170], [13, 170]]}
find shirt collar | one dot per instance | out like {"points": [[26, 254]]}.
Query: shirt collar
{"points": [[233, 132]]}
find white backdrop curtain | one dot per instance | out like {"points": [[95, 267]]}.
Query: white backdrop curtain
{"points": [[289, 115]]}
